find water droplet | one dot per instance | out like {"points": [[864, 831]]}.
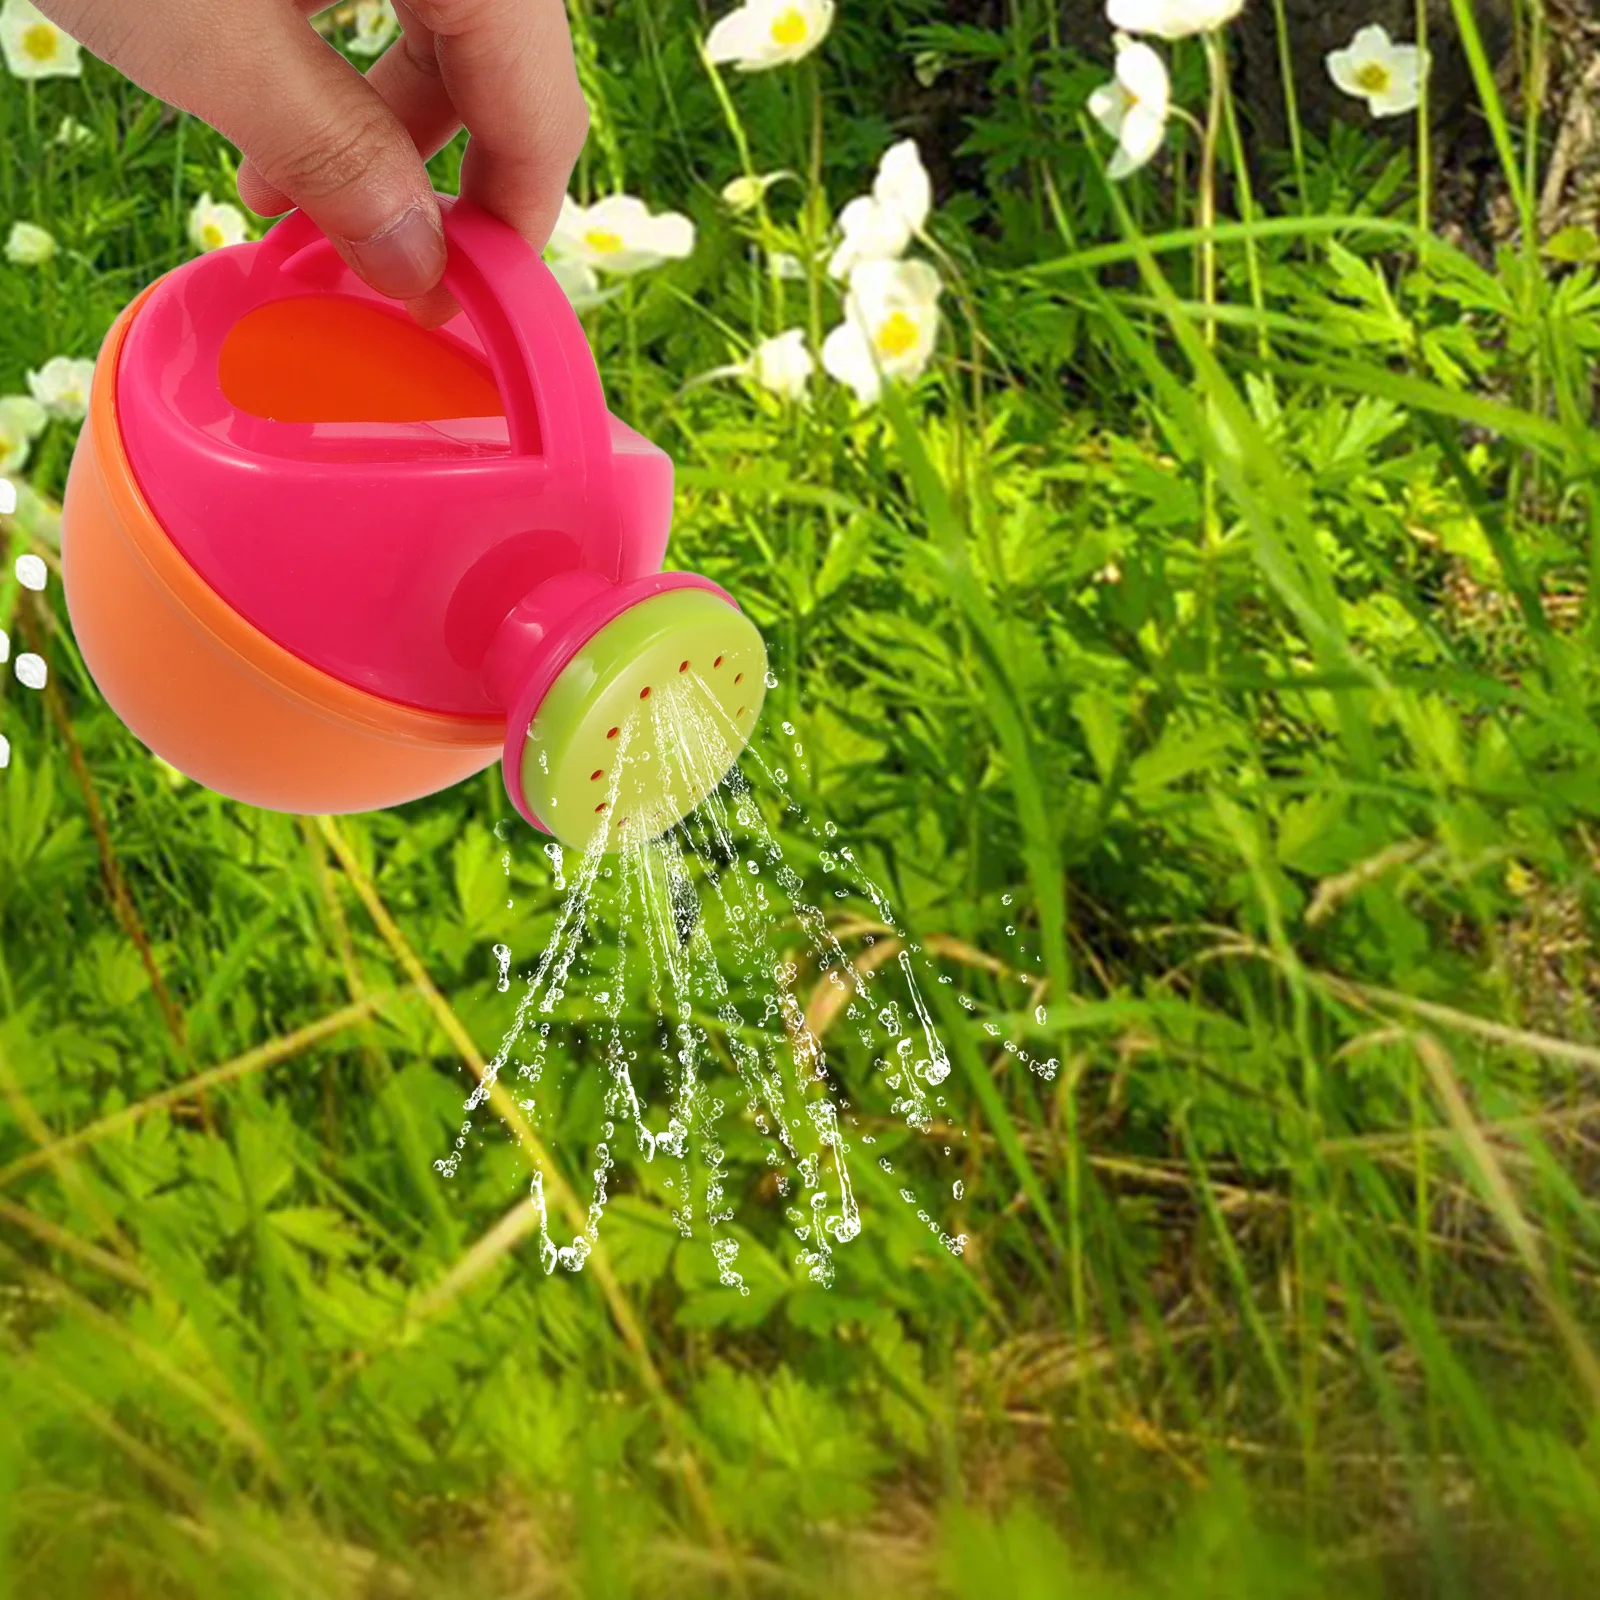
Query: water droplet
{"points": [[771, 679], [31, 670], [31, 572], [1039, 1015], [957, 1188]]}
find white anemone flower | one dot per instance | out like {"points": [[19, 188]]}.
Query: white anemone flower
{"points": [[72, 133], [620, 234], [28, 245], [22, 420], [891, 323], [879, 226], [61, 386], [34, 47], [214, 223], [1133, 107], [376, 26], [1388, 76], [769, 33], [782, 364], [1171, 19]]}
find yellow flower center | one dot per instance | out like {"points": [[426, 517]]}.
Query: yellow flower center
{"points": [[790, 27], [897, 335], [603, 241], [211, 236], [39, 41], [1372, 77]]}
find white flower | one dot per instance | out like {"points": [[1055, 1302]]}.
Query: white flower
{"points": [[1388, 76], [879, 226], [579, 281], [34, 47], [782, 364], [61, 386], [22, 420], [28, 245], [31, 572], [376, 25], [213, 224], [31, 670], [618, 234], [1171, 19], [891, 322], [769, 33], [1132, 108], [72, 132]]}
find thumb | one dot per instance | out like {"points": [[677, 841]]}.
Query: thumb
{"points": [[315, 132]]}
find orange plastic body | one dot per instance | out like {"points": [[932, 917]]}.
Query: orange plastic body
{"points": [[217, 697], [319, 359]]}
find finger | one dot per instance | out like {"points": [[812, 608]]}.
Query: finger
{"points": [[316, 135], [508, 71], [407, 76]]}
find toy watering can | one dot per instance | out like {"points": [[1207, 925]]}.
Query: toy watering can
{"points": [[322, 560]]}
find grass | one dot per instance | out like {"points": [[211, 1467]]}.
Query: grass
{"points": [[1217, 610]]}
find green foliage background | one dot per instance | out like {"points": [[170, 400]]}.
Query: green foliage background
{"points": [[1243, 633]]}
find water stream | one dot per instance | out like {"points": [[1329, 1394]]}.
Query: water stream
{"points": [[662, 1031]]}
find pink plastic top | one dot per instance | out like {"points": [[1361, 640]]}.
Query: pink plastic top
{"points": [[388, 553]]}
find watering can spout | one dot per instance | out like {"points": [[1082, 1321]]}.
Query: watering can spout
{"points": [[626, 703]]}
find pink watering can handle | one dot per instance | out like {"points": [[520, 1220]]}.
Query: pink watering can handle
{"points": [[541, 360]]}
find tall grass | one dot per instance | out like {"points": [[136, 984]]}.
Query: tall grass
{"points": [[1237, 647]]}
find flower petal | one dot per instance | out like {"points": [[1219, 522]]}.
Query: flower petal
{"points": [[847, 356], [1143, 75], [1108, 105], [903, 184], [739, 36]]}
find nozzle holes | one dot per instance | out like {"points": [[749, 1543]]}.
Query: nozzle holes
{"points": [[683, 666], [601, 807], [613, 732], [644, 693], [597, 774], [742, 711], [717, 662]]}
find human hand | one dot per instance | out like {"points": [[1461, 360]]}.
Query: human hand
{"points": [[349, 149]]}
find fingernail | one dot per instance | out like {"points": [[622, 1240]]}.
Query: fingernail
{"points": [[404, 259], [433, 309]]}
